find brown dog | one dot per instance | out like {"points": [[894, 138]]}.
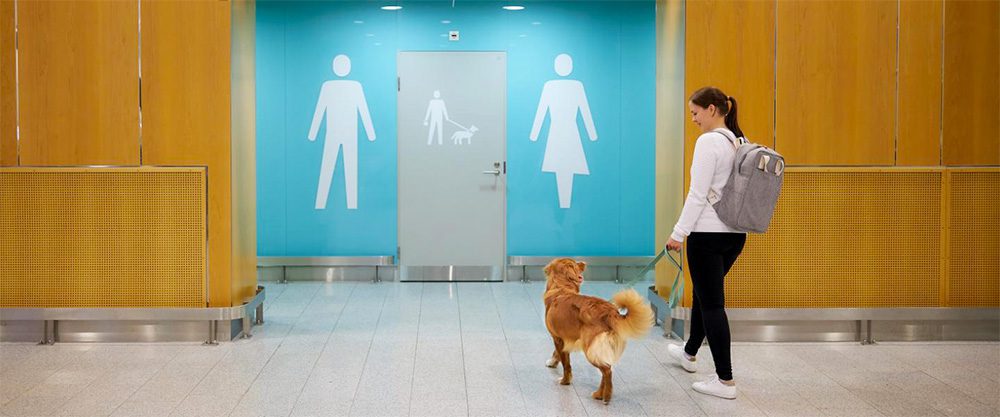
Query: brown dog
{"points": [[590, 324]]}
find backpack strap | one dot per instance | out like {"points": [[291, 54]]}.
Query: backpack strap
{"points": [[733, 140]]}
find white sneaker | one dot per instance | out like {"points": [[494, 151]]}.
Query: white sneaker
{"points": [[681, 357], [715, 387]]}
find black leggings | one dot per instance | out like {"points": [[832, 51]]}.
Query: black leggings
{"points": [[710, 255]]}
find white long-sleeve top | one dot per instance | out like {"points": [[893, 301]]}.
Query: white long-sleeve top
{"points": [[710, 168]]}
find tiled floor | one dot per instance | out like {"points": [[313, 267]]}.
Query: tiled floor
{"points": [[411, 349]]}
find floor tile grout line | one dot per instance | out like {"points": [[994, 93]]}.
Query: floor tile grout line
{"points": [[461, 348], [966, 394], [186, 396], [174, 356], [40, 382], [24, 391], [507, 341], [826, 375], [267, 306], [276, 349], [340, 314], [371, 343], [527, 295], [799, 393], [968, 397], [66, 401], [416, 348], [853, 392], [91, 383]]}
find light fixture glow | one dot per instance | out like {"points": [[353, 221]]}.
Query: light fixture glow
{"points": [[391, 7], [513, 7], [446, 21]]}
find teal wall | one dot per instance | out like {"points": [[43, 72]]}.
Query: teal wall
{"points": [[613, 49]]}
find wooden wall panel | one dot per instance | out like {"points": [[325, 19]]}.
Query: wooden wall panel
{"points": [[244, 142], [8, 92], [78, 83], [186, 111], [920, 33], [836, 85], [730, 45], [971, 83]]}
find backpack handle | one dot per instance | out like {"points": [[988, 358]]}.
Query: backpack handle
{"points": [[779, 166]]}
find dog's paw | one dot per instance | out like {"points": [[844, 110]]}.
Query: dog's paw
{"points": [[565, 381], [551, 363], [599, 397]]}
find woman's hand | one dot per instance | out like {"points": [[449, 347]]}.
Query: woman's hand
{"points": [[674, 245]]}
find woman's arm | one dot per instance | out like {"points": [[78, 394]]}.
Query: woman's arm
{"points": [[702, 171]]}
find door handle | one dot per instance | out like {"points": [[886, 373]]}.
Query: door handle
{"points": [[495, 171]]}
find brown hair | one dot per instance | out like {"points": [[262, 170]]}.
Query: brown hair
{"points": [[707, 96]]}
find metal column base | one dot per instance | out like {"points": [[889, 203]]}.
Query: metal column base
{"points": [[50, 329], [865, 326], [131, 324]]}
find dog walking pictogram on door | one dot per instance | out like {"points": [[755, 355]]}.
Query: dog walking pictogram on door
{"points": [[451, 112]]}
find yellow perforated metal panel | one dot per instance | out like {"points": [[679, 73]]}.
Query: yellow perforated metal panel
{"points": [[974, 239], [121, 237], [846, 238]]}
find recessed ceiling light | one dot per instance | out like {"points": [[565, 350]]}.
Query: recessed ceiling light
{"points": [[391, 7], [446, 21], [513, 7], [359, 21]]}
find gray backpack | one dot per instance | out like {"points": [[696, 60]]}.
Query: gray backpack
{"points": [[751, 193]]}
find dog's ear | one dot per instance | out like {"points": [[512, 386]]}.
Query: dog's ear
{"points": [[581, 266], [548, 268]]}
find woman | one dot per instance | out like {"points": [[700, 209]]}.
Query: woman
{"points": [[712, 247]]}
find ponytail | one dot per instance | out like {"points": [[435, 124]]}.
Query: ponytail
{"points": [[707, 96], [731, 122]]}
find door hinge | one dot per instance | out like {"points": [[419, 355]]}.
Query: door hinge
{"points": [[399, 84]]}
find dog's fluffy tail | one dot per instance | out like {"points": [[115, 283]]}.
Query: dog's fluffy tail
{"points": [[607, 348], [639, 316]]}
